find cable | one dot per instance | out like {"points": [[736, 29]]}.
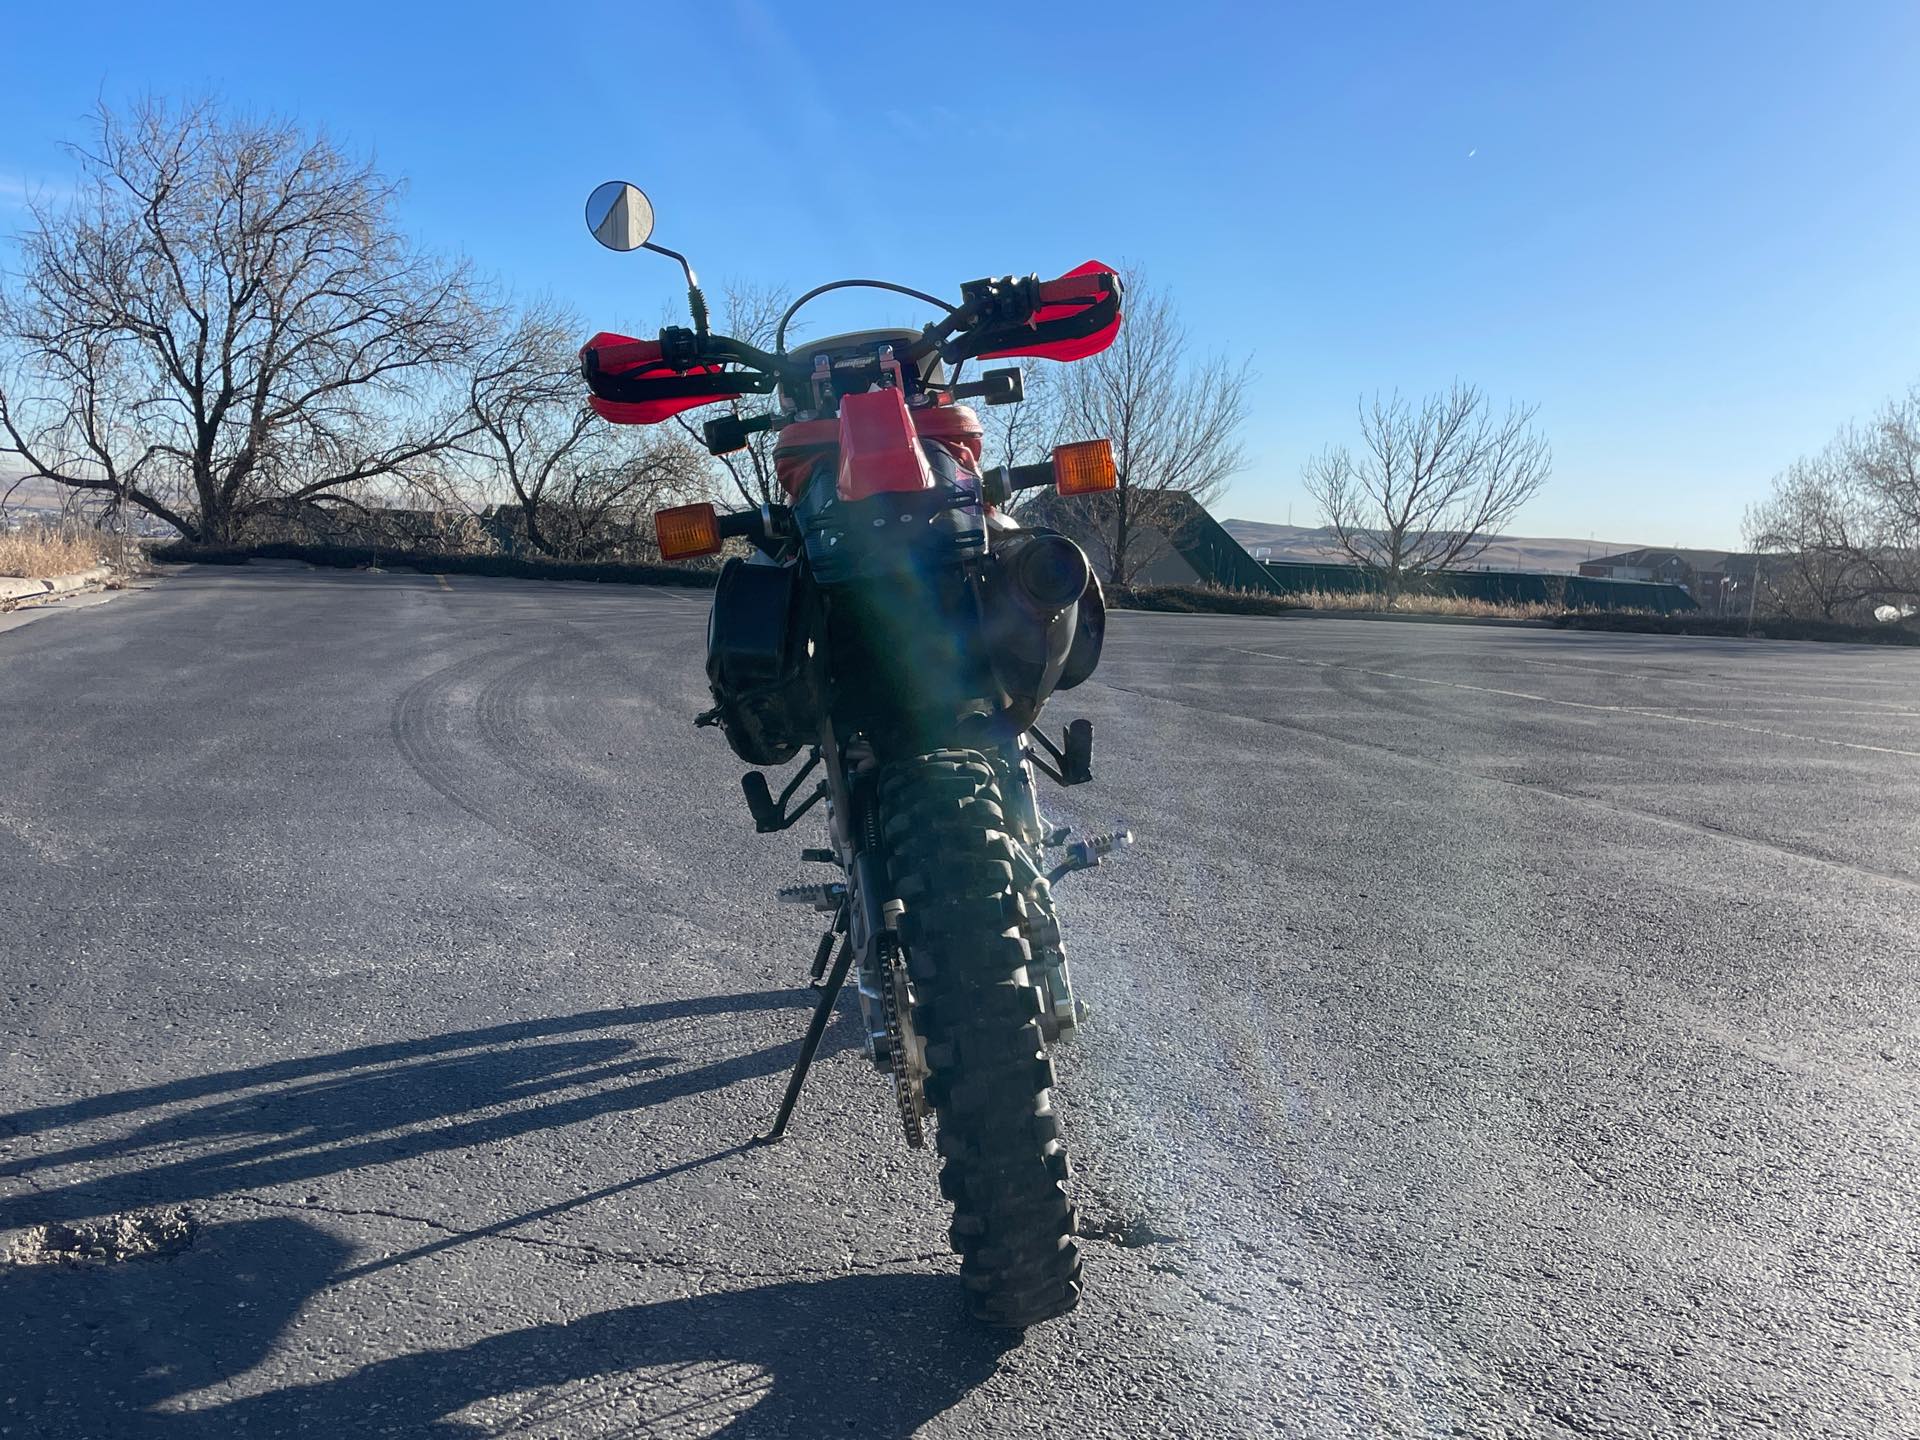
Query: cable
{"points": [[780, 332]]}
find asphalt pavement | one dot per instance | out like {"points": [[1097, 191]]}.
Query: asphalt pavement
{"points": [[1495, 1032]]}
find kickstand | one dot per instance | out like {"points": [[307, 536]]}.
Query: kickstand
{"points": [[822, 1012], [839, 927]]}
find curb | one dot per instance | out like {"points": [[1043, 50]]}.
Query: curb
{"points": [[12, 591]]}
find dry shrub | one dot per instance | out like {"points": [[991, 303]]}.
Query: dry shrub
{"points": [[1429, 605], [40, 550]]}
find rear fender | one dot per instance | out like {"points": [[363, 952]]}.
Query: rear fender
{"points": [[879, 447]]}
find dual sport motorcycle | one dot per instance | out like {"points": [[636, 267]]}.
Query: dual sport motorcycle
{"points": [[895, 626]]}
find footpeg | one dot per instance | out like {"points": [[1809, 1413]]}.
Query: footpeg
{"points": [[827, 896], [1088, 853]]}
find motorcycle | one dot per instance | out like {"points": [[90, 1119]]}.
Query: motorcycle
{"points": [[897, 626]]}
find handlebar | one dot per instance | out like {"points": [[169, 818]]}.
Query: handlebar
{"points": [[681, 351], [1004, 316]]}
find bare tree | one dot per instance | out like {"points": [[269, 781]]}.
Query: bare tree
{"points": [[1841, 528], [582, 488], [1432, 486], [1887, 457], [1818, 533], [227, 325], [1175, 422]]}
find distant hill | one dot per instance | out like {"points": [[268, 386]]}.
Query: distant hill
{"points": [[1508, 552]]}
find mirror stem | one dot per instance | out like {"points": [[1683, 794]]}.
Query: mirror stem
{"points": [[696, 302]]}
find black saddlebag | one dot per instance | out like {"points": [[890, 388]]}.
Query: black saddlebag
{"points": [[757, 661]]}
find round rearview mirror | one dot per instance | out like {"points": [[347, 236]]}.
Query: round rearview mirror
{"points": [[620, 215]]}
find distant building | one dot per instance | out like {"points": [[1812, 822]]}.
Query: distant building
{"points": [[1720, 581]]}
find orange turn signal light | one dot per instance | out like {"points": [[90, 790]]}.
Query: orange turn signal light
{"points": [[686, 532], [1084, 467]]}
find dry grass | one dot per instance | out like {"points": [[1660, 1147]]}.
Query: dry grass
{"points": [[47, 550], [1429, 605]]}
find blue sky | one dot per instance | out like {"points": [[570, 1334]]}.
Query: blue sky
{"points": [[1689, 232]]}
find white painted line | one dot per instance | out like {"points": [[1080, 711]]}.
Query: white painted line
{"points": [[1585, 705]]}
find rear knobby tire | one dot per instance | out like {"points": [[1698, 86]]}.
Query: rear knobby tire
{"points": [[978, 1012]]}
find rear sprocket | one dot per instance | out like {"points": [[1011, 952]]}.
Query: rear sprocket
{"points": [[907, 1053]]}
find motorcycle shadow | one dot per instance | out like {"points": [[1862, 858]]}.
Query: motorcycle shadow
{"points": [[147, 1351], [249, 1129]]}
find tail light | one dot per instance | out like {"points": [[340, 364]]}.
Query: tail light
{"points": [[686, 532], [1084, 467]]}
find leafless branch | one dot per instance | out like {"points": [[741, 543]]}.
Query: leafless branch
{"points": [[1432, 485]]}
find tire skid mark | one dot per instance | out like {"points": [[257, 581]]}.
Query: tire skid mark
{"points": [[506, 725], [1574, 797], [487, 776], [1651, 712], [1369, 693], [423, 733], [518, 707], [524, 705]]}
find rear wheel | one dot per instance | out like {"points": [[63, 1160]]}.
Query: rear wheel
{"points": [[978, 1011]]}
